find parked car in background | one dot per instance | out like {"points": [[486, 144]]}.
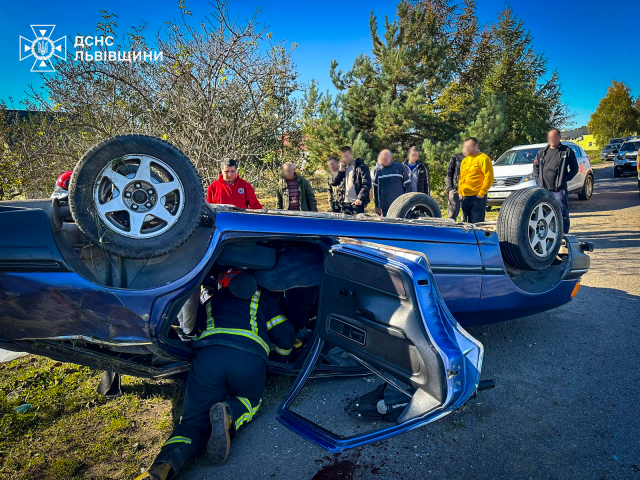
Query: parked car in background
{"points": [[627, 158], [618, 141], [513, 171], [609, 152]]}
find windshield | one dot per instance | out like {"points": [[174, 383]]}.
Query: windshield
{"points": [[612, 147], [630, 147], [517, 157], [616, 140]]}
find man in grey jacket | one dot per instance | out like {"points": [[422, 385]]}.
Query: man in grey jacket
{"points": [[390, 180]]}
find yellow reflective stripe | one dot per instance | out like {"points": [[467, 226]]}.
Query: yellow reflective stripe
{"points": [[276, 321], [177, 440], [248, 416], [210, 324], [243, 418], [235, 331], [254, 311], [281, 351], [246, 403]]}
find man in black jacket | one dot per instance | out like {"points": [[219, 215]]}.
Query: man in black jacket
{"points": [[390, 180], [418, 171], [453, 175], [553, 167], [354, 182]]}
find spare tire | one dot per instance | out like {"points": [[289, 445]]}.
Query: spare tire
{"points": [[414, 205], [136, 196], [530, 229]]}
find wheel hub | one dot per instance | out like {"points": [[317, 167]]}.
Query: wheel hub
{"points": [[541, 228], [140, 196]]}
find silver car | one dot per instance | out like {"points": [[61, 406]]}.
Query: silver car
{"points": [[513, 170]]}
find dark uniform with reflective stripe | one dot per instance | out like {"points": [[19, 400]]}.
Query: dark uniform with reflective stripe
{"points": [[229, 364]]}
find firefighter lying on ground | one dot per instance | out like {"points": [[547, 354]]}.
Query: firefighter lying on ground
{"points": [[228, 371]]}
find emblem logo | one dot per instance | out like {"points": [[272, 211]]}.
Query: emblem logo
{"points": [[241, 190], [500, 182], [42, 48]]}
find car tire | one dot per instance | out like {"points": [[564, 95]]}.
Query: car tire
{"points": [[587, 189], [136, 196], [530, 229], [414, 205], [616, 172]]}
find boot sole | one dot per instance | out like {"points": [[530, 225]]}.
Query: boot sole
{"points": [[219, 443]]}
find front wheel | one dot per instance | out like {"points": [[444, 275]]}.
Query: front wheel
{"points": [[413, 206], [136, 196], [587, 190], [616, 172]]}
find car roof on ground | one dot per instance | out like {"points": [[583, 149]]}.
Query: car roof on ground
{"points": [[539, 145]]}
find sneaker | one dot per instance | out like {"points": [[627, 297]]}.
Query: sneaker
{"points": [[220, 441]]}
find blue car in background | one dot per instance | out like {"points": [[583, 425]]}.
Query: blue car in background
{"points": [[100, 281]]}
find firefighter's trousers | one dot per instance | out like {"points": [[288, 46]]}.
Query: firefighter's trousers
{"points": [[218, 373]]}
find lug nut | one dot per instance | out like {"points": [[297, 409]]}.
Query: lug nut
{"points": [[135, 207], [148, 205], [138, 185], [127, 194], [150, 191]]}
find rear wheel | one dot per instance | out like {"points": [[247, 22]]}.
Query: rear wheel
{"points": [[414, 205], [136, 196], [530, 229], [587, 189]]}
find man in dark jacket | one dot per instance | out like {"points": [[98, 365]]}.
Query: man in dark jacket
{"points": [[418, 171], [295, 192], [390, 180], [354, 182], [334, 190], [553, 167], [453, 175], [228, 371]]}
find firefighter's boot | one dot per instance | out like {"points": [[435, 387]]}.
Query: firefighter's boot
{"points": [[221, 428], [159, 471]]}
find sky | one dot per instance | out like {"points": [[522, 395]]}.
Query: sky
{"points": [[582, 39]]}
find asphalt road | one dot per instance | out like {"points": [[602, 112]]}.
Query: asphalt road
{"points": [[566, 402]]}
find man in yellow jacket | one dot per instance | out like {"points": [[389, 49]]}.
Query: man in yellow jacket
{"points": [[476, 177]]}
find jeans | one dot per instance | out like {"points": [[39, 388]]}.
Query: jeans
{"points": [[454, 204], [563, 199], [473, 209]]}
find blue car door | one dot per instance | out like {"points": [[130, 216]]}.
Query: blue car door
{"points": [[383, 308]]}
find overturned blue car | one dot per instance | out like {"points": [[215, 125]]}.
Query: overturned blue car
{"points": [[100, 280]]}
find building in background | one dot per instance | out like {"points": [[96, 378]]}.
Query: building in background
{"points": [[582, 137]]}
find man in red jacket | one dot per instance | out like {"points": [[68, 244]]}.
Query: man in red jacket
{"points": [[230, 189]]}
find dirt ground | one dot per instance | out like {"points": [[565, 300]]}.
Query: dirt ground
{"points": [[567, 386]]}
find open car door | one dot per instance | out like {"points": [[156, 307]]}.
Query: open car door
{"points": [[384, 309]]}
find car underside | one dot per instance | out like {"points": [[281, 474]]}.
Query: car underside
{"points": [[382, 295]]}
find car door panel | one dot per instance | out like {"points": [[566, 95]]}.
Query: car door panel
{"points": [[458, 269], [385, 311]]}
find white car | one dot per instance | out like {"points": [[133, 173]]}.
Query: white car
{"points": [[514, 171]]}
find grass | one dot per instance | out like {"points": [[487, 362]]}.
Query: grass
{"points": [[71, 432]]}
